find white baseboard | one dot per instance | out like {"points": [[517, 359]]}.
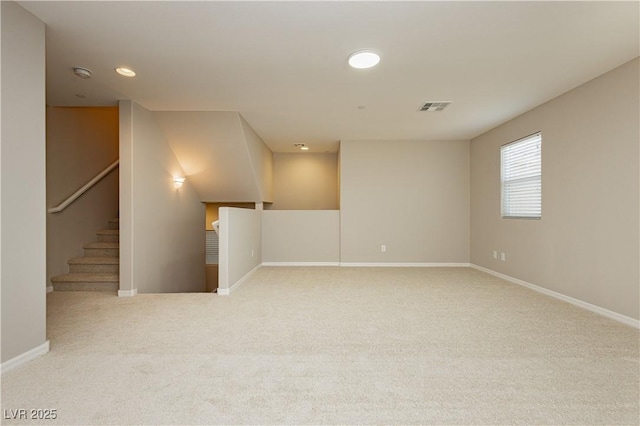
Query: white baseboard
{"points": [[25, 357], [127, 293], [234, 287], [588, 306], [300, 263], [49, 289], [406, 265]]}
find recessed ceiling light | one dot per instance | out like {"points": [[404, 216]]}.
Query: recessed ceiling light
{"points": [[127, 72], [364, 59], [304, 148], [301, 146]]}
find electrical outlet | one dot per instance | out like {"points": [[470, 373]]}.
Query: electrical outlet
{"points": [[503, 257], [383, 248], [495, 254]]}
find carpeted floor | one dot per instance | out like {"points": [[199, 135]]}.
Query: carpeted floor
{"points": [[332, 345]]}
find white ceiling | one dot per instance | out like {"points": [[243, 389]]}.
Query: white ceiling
{"points": [[283, 65]]}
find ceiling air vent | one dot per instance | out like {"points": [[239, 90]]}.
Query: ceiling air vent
{"points": [[434, 106]]}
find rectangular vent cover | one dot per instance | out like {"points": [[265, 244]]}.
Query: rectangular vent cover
{"points": [[212, 247], [434, 106]]}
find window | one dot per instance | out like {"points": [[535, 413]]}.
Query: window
{"points": [[521, 178]]}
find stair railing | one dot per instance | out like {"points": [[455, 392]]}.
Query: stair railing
{"points": [[84, 189]]}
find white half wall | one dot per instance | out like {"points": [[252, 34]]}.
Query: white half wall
{"points": [[240, 246], [301, 236], [23, 265], [162, 238]]}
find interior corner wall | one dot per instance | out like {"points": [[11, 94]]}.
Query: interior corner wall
{"points": [[586, 246], [261, 159], [212, 150], [240, 246], [305, 181], [411, 196], [23, 270], [81, 142], [162, 232]]}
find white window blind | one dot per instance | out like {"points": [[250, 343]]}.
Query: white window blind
{"points": [[521, 178]]}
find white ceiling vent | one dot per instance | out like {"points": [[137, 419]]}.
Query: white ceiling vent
{"points": [[434, 106]]}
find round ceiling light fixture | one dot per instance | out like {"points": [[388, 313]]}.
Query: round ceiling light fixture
{"points": [[82, 72], [127, 72], [364, 59]]}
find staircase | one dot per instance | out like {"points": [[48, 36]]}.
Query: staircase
{"points": [[98, 269]]}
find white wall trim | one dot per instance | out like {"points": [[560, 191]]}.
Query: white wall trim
{"points": [[49, 289], [127, 293], [585, 305], [228, 291], [25, 357], [300, 263], [406, 265]]}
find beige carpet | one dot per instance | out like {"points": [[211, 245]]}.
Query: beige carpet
{"points": [[333, 345]]}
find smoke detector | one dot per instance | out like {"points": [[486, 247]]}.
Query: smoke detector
{"points": [[82, 72], [434, 106]]}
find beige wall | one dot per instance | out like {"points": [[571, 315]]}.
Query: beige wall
{"points": [[586, 244], [220, 154], [23, 196], [161, 226], [412, 196], [81, 142], [301, 236], [305, 181]]}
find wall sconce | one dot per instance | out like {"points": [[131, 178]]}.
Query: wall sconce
{"points": [[178, 181]]}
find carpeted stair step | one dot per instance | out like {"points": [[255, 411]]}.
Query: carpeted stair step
{"points": [[108, 236], [85, 282], [95, 265], [102, 249], [114, 223]]}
